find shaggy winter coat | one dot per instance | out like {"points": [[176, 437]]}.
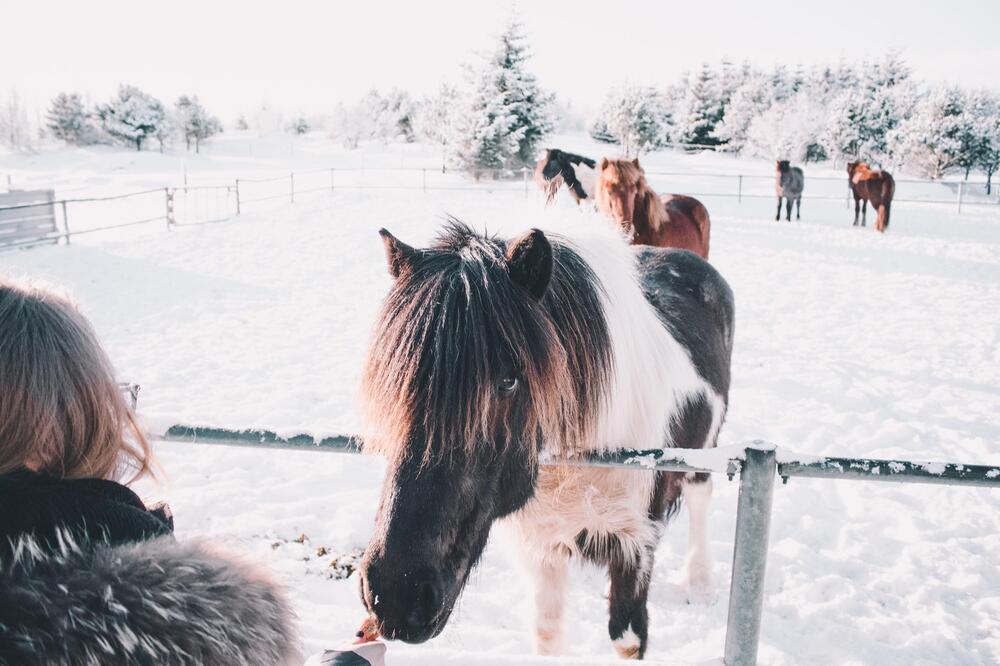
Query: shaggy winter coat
{"points": [[151, 602]]}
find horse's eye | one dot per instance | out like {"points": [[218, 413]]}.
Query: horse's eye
{"points": [[508, 385]]}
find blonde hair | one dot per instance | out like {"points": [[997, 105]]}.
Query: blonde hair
{"points": [[61, 411]]}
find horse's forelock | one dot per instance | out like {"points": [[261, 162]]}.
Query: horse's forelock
{"points": [[445, 334]]}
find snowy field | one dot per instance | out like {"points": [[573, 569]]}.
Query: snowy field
{"points": [[847, 343]]}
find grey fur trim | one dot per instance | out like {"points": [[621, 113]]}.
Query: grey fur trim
{"points": [[154, 602]]}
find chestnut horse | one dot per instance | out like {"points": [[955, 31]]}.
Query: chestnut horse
{"points": [[872, 185], [673, 220]]}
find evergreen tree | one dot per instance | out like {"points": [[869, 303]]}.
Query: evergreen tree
{"points": [[69, 121], [750, 100], [701, 111], [241, 123], [989, 128], [132, 116], [636, 118], [506, 115], [195, 123], [434, 118], [931, 140], [299, 125]]}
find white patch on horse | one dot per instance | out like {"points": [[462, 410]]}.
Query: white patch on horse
{"points": [[653, 375], [627, 646], [587, 177]]}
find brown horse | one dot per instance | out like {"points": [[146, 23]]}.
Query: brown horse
{"points": [[872, 185], [672, 220]]}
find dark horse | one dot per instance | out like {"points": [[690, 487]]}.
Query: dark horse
{"points": [[789, 183], [559, 168], [491, 354], [673, 220], [872, 185]]}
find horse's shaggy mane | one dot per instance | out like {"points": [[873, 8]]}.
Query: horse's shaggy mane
{"points": [[648, 204], [455, 324]]}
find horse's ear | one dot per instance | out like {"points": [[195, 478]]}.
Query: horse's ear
{"points": [[397, 253], [529, 262], [635, 161], [604, 163]]}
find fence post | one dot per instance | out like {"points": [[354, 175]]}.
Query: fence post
{"points": [[960, 188], [237, 196], [739, 190], [65, 221], [331, 180], [170, 207], [291, 178], [753, 521], [423, 174]]}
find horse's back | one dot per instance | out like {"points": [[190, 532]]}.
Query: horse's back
{"points": [[696, 303], [690, 225]]}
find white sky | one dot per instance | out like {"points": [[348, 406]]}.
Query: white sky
{"points": [[306, 56]]}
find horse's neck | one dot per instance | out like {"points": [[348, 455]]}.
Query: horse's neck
{"points": [[649, 211], [586, 177]]}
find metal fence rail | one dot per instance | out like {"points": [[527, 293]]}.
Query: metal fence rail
{"points": [[199, 204], [757, 464]]}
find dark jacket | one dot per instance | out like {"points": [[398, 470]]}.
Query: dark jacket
{"points": [[89, 510], [86, 579]]}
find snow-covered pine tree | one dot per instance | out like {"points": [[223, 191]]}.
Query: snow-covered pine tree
{"points": [[506, 114], [750, 100], [931, 140], [131, 117], [194, 122], [989, 153], [701, 111], [69, 121], [299, 125], [600, 132], [636, 117], [241, 123]]}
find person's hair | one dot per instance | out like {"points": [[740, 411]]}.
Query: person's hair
{"points": [[61, 411]]}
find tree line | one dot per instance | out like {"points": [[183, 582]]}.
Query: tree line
{"points": [[873, 110]]}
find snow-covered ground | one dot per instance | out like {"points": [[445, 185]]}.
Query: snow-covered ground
{"points": [[847, 343]]}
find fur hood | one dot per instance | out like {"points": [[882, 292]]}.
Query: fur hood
{"points": [[153, 602]]}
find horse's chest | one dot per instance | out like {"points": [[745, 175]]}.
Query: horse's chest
{"points": [[570, 500]]}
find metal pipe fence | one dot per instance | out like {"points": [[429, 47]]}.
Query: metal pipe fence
{"points": [[198, 204], [757, 464]]}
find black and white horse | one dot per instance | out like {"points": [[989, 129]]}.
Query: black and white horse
{"points": [[558, 168], [491, 354]]}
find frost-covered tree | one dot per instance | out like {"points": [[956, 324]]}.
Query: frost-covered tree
{"points": [[131, 117], [194, 122], [299, 125], [434, 119], [68, 120], [350, 125], [506, 114], [390, 115], [701, 111], [635, 117], [931, 139], [599, 131], [241, 123], [788, 130], [989, 132], [749, 101], [15, 128]]}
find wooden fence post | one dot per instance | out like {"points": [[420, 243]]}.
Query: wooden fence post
{"points": [[170, 207], [291, 178], [739, 190], [65, 221], [237, 196]]}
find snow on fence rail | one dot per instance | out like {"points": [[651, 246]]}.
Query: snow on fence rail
{"points": [[199, 204], [757, 464]]}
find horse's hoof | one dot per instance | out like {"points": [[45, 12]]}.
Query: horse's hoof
{"points": [[700, 590], [629, 646]]}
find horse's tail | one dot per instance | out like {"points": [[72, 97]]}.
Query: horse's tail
{"points": [[888, 191], [882, 223]]}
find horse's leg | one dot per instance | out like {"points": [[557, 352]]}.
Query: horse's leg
{"points": [[777, 217], [550, 599], [857, 209], [798, 208], [697, 490], [864, 212], [788, 209], [628, 618]]}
